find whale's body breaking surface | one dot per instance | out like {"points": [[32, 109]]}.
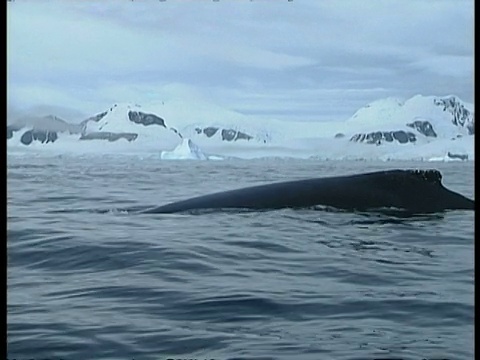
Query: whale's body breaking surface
{"points": [[419, 191]]}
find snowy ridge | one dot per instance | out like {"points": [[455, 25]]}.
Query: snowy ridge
{"points": [[441, 112], [420, 128]]}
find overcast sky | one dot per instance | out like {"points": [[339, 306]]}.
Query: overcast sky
{"points": [[300, 59]]}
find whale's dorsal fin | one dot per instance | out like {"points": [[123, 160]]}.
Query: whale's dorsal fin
{"points": [[405, 176], [432, 176]]}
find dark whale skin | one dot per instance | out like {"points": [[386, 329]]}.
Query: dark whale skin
{"points": [[419, 191]]}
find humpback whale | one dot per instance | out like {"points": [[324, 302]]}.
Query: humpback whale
{"points": [[417, 191]]}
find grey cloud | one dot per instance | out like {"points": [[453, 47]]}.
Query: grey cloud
{"points": [[279, 57]]}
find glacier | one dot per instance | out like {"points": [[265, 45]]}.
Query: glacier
{"points": [[424, 128]]}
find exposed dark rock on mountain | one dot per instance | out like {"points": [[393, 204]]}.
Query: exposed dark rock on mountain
{"points": [[209, 131], [339, 136], [11, 129], [109, 136], [471, 128], [242, 135], [177, 132], [96, 118], [423, 127], [139, 117], [42, 136], [51, 136], [27, 138], [378, 137], [227, 134], [457, 156], [461, 115], [232, 135], [404, 136]]}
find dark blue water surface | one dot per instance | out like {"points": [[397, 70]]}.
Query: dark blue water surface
{"points": [[89, 278]]}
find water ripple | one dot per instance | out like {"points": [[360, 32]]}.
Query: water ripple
{"points": [[88, 276]]}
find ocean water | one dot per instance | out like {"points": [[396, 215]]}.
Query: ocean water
{"points": [[89, 278]]}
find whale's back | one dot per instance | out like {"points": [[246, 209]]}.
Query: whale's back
{"points": [[414, 190]]}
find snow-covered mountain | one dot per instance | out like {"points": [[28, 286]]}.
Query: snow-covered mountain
{"points": [[421, 128], [444, 117]]}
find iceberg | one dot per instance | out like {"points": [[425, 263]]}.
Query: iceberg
{"points": [[186, 150]]}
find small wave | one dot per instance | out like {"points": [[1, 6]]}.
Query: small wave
{"points": [[118, 211]]}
